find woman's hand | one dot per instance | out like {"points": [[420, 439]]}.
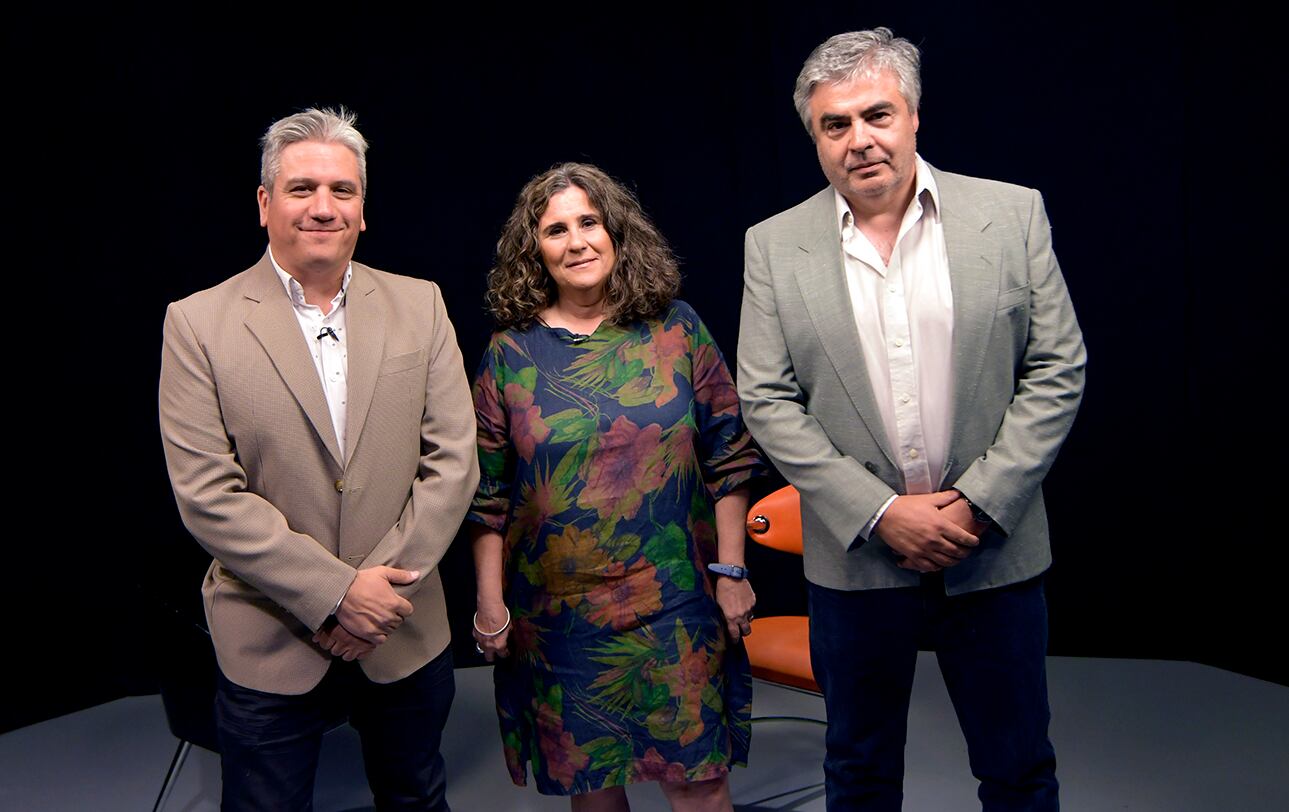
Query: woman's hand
{"points": [[489, 618], [733, 595], [736, 599]]}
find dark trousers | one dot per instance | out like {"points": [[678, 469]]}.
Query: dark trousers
{"points": [[991, 646], [270, 742]]}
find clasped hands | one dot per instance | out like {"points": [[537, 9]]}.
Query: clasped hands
{"points": [[370, 611], [930, 531]]}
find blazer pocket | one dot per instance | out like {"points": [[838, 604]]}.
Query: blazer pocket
{"points": [[402, 363], [1015, 296]]}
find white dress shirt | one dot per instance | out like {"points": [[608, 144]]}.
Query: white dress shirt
{"points": [[904, 313], [325, 335]]}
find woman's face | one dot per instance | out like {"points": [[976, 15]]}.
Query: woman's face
{"points": [[576, 247]]}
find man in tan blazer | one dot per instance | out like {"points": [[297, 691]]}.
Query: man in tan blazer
{"points": [[319, 435], [910, 360]]}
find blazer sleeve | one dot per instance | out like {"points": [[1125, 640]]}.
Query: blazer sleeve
{"points": [[1049, 387], [243, 530], [448, 472], [838, 489]]}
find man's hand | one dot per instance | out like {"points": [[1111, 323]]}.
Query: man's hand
{"points": [[371, 609], [735, 598], [341, 643], [916, 528], [960, 514]]}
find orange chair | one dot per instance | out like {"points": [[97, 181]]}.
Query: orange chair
{"points": [[779, 647]]}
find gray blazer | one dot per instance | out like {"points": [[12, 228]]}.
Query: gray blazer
{"points": [[260, 482], [1018, 360]]}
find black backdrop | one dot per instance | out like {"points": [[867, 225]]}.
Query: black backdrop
{"points": [[133, 144]]}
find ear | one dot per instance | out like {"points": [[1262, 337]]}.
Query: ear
{"points": [[263, 196], [915, 121]]}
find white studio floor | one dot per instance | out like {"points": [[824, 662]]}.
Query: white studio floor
{"points": [[1129, 735]]}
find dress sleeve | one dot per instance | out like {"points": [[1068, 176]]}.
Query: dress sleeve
{"points": [[491, 503], [726, 451]]}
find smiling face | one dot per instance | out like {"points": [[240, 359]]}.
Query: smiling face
{"points": [[315, 210], [866, 137], [576, 247]]}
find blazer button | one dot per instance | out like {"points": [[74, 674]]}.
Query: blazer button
{"points": [[872, 469], [340, 486]]}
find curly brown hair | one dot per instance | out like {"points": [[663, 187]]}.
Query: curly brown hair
{"points": [[643, 281]]}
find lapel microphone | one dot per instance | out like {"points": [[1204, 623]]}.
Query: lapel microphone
{"points": [[327, 331]]}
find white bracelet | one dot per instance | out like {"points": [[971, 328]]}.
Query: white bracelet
{"points": [[474, 621]]}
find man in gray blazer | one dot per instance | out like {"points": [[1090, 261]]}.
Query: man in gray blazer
{"points": [[319, 434], [910, 360]]}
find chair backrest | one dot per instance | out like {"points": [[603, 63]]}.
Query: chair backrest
{"points": [[775, 521], [187, 680]]}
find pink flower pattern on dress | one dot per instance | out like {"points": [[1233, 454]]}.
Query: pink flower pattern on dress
{"points": [[562, 757], [621, 468]]}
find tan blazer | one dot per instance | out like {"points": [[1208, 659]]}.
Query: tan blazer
{"points": [[1018, 361], [260, 482]]}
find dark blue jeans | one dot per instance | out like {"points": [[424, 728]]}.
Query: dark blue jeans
{"points": [[992, 648], [270, 742]]}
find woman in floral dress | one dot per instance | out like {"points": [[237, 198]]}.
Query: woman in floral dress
{"points": [[614, 464]]}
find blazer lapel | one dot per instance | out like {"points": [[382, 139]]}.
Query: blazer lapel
{"points": [[275, 326], [821, 277], [974, 277], [365, 343]]}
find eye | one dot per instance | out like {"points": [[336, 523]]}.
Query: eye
{"points": [[589, 222], [555, 230]]}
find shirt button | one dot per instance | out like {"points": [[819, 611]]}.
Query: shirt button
{"points": [[899, 342], [913, 452], [904, 398]]}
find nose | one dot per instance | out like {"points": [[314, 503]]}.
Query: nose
{"points": [[576, 240], [322, 204], [860, 139]]}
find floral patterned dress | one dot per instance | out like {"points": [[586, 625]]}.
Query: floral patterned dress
{"points": [[601, 459]]}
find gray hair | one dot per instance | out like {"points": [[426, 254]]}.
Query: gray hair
{"points": [[848, 56], [326, 125]]}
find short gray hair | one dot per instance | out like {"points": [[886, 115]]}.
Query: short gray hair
{"points": [[848, 56], [326, 125]]}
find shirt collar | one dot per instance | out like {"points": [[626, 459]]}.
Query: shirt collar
{"points": [[295, 291], [924, 190]]}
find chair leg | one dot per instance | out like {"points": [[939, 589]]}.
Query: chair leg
{"points": [[176, 764]]}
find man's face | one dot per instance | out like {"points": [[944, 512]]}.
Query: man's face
{"points": [[315, 210], [866, 137]]}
